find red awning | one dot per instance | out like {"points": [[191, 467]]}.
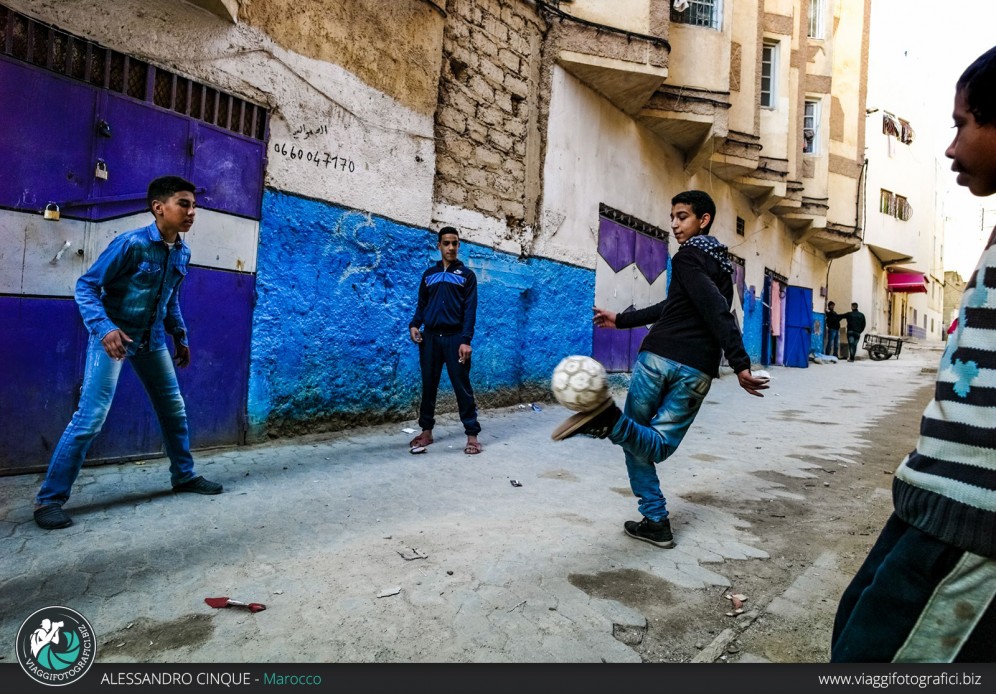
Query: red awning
{"points": [[909, 282]]}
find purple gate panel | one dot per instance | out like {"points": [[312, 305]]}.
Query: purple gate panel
{"points": [[615, 244], [144, 143], [42, 346], [651, 257], [46, 131], [230, 170], [217, 307]]}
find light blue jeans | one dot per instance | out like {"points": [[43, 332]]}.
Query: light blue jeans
{"points": [[155, 371], [664, 397]]}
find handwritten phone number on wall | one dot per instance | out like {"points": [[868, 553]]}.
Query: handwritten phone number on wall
{"points": [[315, 157]]}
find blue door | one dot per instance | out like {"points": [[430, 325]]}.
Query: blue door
{"points": [[798, 328]]}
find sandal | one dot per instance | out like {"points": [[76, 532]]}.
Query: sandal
{"points": [[420, 441], [472, 448]]}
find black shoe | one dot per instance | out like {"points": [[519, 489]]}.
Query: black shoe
{"points": [[657, 533], [52, 517], [199, 485], [597, 423]]}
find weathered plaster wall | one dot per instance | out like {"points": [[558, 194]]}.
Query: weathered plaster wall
{"points": [[380, 150], [597, 154], [336, 290], [395, 47], [632, 15]]}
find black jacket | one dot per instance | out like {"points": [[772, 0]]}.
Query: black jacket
{"points": [[694, 325]]}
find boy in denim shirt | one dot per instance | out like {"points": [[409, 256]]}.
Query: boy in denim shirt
{"points": [[129, 300]]}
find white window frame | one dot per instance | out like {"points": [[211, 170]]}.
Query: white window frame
{"points": [[769, 72], [811, 117], [817, 19], [701, 13]]}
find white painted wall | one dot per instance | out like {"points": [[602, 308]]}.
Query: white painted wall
{"points": [[315, 106]]}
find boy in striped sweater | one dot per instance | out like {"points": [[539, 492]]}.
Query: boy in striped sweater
{"points": [[926, 591]]}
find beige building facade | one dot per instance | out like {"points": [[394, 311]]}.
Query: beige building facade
{"points": [[897, 277]]}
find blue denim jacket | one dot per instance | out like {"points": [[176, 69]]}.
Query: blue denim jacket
{"points": [[134, 287]]}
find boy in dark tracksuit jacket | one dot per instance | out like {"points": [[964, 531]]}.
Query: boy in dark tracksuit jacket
{"points": [[447, 307], [678, 359]]}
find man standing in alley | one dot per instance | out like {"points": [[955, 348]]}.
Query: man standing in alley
{"points": [[447, 307], [833, 330], [855, 326], [129, 299], [927, 590], [678, 359]]}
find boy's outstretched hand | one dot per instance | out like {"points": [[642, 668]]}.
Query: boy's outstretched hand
{"points": [[603, 318], [751, 384]]}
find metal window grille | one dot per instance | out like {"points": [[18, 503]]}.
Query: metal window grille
{"points": [[817, 11], [768, 74], [44, 46], [811, 127], [885, 202], [701, 13], [741, 226], [632, 222]]}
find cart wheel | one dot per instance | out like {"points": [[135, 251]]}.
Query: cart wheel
{"points": [[878, 352]]}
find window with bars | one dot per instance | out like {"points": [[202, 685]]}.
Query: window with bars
{"points": [[701, 13], [769, 74], [44, 46], [894, 205], [741, 226], [817, 14], [811, 127]]}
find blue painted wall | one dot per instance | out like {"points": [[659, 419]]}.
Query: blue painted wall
{"points": [[336, 289]]}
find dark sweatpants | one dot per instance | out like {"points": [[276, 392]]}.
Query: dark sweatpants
{"points": [[435, 350], [917, 599]]}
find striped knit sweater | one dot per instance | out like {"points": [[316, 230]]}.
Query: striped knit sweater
{"points": [[947, 486]]}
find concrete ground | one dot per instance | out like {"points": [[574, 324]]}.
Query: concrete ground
{"points": [[477, 569]]}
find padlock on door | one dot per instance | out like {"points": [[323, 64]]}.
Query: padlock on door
{"points": [[101, 171], [52, 212]]}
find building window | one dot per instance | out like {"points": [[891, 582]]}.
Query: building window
{"points": [[741, 226], [898, 128], [817, 12], [700, 13], [894, 205], [769, 74], [811, 128]]}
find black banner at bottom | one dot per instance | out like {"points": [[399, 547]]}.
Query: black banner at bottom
{"points": [[209, 678]]}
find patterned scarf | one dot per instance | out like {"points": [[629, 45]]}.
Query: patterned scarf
{"points": [[711, 246]]}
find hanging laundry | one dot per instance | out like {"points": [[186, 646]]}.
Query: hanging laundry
{"points": [[776, 308], [680, 5]]}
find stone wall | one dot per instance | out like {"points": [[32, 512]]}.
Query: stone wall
{"points": [[488, 135]]}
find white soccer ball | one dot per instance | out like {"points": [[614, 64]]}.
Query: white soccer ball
{"points": [[580, 383]]}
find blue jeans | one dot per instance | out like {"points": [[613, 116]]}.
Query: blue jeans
{"points": [[155, 371], [852, 344], [664, 397], [833, 342]]}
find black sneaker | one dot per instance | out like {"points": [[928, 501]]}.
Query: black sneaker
{"points": [[597, 423], [52, 517], [199, 485], [657, 533]]}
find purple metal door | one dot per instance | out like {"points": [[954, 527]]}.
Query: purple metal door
{"points": [[53, 134], [635, 264]]}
